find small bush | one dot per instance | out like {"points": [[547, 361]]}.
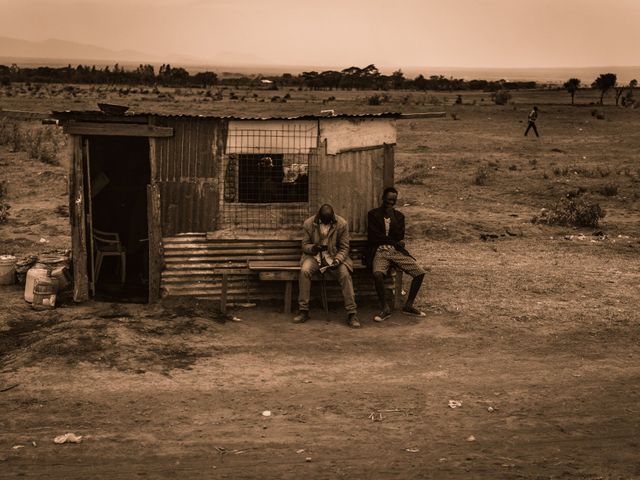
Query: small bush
{"points": [[43, 145], [414, 175], [501, 97], [375, 100], [4, 211], [609, 190], [481, 176], [577, 212]]}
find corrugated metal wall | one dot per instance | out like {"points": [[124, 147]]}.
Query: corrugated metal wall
{"points": [[194, 266], [352, 182], [186, 171]]}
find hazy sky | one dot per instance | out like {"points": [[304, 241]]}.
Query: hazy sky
{"points": [[467, 33]]}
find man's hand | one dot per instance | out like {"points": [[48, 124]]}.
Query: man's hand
{"points": [[400, 244], [335, 263], [316, 249]]}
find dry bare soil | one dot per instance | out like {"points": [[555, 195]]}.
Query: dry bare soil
{"points": [[533, 328]]}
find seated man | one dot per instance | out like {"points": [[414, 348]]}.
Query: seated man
{"points": [[325, 248], [385, 232]]}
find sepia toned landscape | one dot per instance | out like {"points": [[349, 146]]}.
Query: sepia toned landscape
{"points": [[532, 325]]}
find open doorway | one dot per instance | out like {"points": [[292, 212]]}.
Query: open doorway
{"points": [[117, 229]]}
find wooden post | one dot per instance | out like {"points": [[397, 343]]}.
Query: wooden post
{"points": [[397, 289], [155, 241], [223, 294], [78, 225], [288, 291]]}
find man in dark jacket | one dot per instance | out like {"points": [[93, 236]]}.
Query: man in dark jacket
{"points": [[385, 232], [325, 248]]}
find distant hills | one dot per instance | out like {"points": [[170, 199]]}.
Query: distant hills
{"points": [[64, 50]]}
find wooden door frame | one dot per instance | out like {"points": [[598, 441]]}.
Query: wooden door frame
{"points": [[78, 218]]}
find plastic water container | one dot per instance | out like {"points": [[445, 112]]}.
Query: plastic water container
{"points": [[45, 291], [7, 269], [38, 271]]}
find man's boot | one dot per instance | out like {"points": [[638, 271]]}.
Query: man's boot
{"points": [[303, 316], [352, 320]]}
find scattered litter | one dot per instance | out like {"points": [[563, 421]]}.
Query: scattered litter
{"points": [[238, 452], [301, 450], [491, 409], [412, 450], [306, 381], [18, 447], [266, 413], [34, 444], [308, 459], [375, 417], [406, 205], [443, 459], [235, 319], [43, 240], [222, 450], [455, 403], [68, 438], [471, 438]]}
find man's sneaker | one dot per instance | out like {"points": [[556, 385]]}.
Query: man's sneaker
{"points": [[383, 315], [303, 316], [413, 311], [352, 321]]}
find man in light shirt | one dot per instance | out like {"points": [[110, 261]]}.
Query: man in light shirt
{"points": [[325, 248], [533, 116]]}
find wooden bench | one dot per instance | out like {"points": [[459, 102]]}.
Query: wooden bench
{"points": [[288, 271]]}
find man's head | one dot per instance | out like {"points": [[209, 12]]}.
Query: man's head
{"points": [[535, 108], [326, 214], [389, 197]]}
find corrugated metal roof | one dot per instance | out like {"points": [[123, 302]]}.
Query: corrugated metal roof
{"points": [[97, 114]]}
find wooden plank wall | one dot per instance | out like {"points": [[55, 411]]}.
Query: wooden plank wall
{"points": [[186, 171]]}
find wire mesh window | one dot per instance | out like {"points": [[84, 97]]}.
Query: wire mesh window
{"points": [[268, 176]]}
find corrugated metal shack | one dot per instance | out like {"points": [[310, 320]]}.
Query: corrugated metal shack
{"points": [[199, 196]]}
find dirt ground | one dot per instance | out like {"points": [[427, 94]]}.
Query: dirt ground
{"points": [[534, 329]]}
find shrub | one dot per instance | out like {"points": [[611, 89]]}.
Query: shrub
{"points": [[374, 100], [501, 97], [609, 190], [43, 145], [577, 212], [481, 176], [414, 175], [4, 211]]}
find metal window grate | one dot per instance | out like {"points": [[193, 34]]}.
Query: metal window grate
{"points": [[269, 175]]}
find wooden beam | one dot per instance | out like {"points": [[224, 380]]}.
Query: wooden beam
{"points": [[412, 116], [78, 225], [155, 245], [117, 129], [22, 115]]}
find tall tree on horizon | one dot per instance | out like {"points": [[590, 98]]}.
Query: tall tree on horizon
{"points": [[572, 85], [604, 83]]}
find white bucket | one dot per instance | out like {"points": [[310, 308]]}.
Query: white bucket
{"points": [[36, 272], [7, 269]]}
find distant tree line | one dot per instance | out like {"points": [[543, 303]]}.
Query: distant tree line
{"points": [[604, 83], [142, 75], [352, 78]]}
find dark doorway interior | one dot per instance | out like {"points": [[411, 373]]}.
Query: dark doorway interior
{"points": [[120, 172]]}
